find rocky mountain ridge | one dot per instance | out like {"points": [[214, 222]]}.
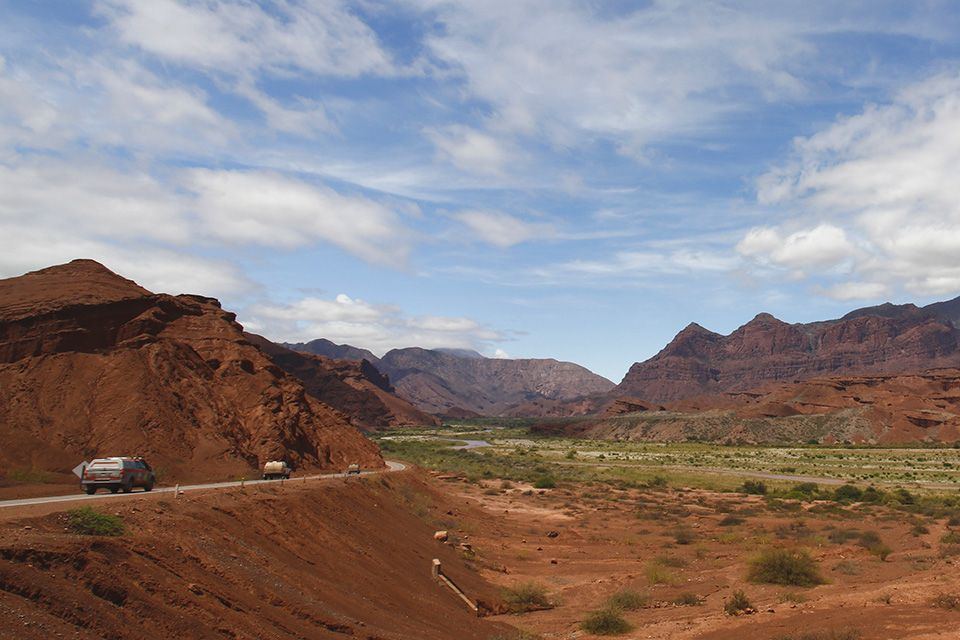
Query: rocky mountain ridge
{"points": [[92, 364], [885, 339]]}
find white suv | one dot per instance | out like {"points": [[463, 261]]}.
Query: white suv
{"points": [[117, 474]]}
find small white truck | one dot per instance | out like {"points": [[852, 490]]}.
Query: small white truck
{"points": [[276, 470]]}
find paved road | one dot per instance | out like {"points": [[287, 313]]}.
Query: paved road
{"points": [[470, 444], [391, 466]]}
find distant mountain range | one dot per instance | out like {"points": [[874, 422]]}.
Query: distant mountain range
{"points": [[874, 340], [462, 383]]}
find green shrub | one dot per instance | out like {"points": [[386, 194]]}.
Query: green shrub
{"points": [[546, 482], [526, 596], [90, 522], [871, 541], [628, 600], [605, 622], [806, 488], [793, 567], [737, 603], [904, 497], [754, 487], [847, 493]]}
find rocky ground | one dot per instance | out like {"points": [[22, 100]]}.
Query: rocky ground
{"points": [[586, 543]]}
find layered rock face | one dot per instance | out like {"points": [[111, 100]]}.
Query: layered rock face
{"points": [[451, 383], [354, 387], [91, 364], [885, 339]]}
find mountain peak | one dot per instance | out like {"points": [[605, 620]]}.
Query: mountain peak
{"points": [[78, 282]]}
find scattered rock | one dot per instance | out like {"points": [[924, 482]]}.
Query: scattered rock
{"points": [[441, 536]]}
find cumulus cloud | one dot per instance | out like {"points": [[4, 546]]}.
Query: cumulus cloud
{"points": [[271, 209], [886, 180], [820, 247], [502, 229], [377, 327]]}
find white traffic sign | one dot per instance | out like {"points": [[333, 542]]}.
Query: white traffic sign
{"points": [[80, 468]]}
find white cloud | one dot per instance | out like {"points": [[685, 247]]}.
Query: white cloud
{"points": [[242, 37], [821, 247], [572, 72], [89, 199], [274, 210], [888, 178], [857, 291], [372, 326], [469, 149], [503, 230]]}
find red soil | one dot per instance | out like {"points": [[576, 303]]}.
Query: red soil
{"points": [[331, 559]]}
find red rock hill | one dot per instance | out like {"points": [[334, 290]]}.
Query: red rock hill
{"points": [[884, 339], [92, 364]]}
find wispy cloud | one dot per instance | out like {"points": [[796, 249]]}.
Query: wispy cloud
{"points": [[378, 327]]}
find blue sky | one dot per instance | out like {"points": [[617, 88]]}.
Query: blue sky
{"points": [[577, 180]]}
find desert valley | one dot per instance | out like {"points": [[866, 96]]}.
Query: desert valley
{"points": [[570, 506], [460, 320]]}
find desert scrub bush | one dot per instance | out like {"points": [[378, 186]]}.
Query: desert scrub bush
{"points": [[949, 601], [754, 487], [545, 482], [658, 574], [683, 536], [793, 567], [847, 493], [687, 599], [792, 597], [671, 561], [526, 596], [731, 521], [90, 522], [847, 568], [628, 600], [871, 541], [951, 537], [606, 622], [737, 603]]}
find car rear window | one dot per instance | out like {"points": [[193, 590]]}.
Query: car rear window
{"points": [[105, 463]]}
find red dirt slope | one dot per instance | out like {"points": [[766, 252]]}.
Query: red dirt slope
{"points": [[92, 364], [319, 560]]}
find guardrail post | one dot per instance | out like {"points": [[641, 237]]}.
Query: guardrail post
{"points": [[435, 569]]}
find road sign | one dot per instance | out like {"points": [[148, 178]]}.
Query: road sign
{"points": [[80, 468]]}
